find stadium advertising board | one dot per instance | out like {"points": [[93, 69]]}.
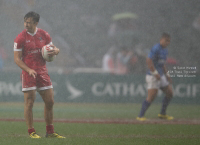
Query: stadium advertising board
{"points": [[101, 88]]}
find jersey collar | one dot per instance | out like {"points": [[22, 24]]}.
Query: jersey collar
{"points": [[32, 34]]}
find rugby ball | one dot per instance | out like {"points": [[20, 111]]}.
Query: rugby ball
{"points": [[45, 55]]}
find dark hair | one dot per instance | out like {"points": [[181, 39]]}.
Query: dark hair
{"points": [[165, 35], [34, 15]]}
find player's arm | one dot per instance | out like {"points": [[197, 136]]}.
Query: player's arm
{"points": [[55, 50], [166, 74], [152, 54], [22, 65], [151, 67]]}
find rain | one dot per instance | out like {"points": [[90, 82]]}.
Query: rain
{"points": [[104, 46]]}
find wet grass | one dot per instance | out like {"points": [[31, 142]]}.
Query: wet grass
{"points": [[99, 111], [102, 134]]}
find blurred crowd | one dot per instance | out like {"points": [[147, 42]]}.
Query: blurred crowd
{"points": [[126, 55], [122, 61], [115, 39]]}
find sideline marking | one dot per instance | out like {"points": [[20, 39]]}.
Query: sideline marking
{"points": [[112, 121]]}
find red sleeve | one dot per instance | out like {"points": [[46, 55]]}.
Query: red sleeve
{"points": [[48, 37], [19, 42]]}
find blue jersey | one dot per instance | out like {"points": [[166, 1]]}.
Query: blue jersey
{"points": [[159, 57]]}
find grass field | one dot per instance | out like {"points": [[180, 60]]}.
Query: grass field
{"points": [[118, 133]]}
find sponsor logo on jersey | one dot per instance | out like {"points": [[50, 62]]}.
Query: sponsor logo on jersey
{"points": [[34, 51], [27, 41], [40, 38]]}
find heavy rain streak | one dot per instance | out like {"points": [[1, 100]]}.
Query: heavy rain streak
{"points": [[111, 61]]}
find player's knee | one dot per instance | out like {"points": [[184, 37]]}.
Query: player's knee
{"points": [[151, 96], [169, 93], [49, 104], [29, 104], [150, 99]]}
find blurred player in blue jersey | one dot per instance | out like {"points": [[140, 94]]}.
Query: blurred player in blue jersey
{"points": [[157, 78]]}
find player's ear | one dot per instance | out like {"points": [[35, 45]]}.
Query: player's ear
{"points": [[36, 23]]}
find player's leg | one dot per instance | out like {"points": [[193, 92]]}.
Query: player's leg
{"points": [[167, 90], [46, 92], [166, 100], [29, 90], [145, 105], [152, 90], [48, 98], [29, 97]]}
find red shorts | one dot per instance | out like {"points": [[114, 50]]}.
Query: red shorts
{"points": [[41, 82]]}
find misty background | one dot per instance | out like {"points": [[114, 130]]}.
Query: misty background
{"points": [[80, 28]]}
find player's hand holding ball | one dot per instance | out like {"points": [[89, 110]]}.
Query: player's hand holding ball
{"points": [[49, 52], [53, 51]]}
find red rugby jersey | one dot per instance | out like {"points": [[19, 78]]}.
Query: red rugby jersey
{"points": [[31, 47]]}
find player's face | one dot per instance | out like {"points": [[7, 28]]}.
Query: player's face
{"points": [[30, 25], [165, 42]]}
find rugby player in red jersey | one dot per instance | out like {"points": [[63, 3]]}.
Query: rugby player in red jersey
{"points": [[27, 55]]}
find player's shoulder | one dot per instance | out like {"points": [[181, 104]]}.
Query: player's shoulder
{"points": [[43, 32], [21, 35], [156, 47], [39, 30]]}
